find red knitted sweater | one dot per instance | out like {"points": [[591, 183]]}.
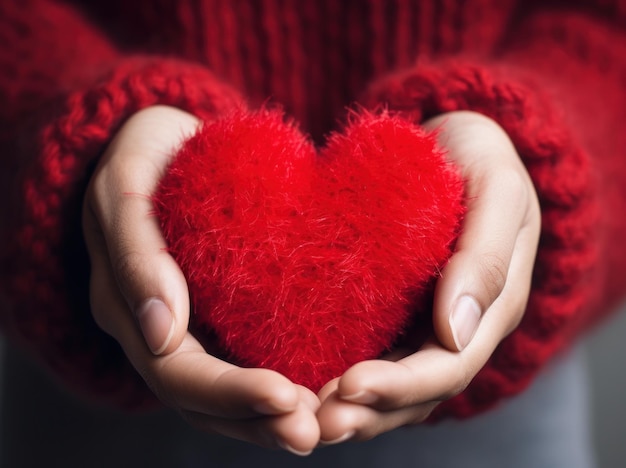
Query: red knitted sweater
{"points": [[553, 74]]}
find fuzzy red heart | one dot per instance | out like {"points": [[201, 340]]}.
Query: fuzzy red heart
{"points": [[301, 261]]}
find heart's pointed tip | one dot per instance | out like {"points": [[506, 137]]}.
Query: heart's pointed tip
{"points": [[313, 362]]}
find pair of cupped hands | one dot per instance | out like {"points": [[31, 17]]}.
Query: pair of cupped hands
{"points": [[140, 297]]}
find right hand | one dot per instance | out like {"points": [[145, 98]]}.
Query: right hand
{"points": [[480, 296], [140, 297]]}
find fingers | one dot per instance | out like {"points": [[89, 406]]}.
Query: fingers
{"points": [[341, 421], [374, 397], [502, 222], [434, 372], [139, 296], [481, 266], [479, 299], [124, 227], [361, 415], [256, 405], [296, 431]]}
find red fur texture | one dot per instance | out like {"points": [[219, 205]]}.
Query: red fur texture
{"points": [[302, 261]]}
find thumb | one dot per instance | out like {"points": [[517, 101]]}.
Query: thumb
{"points": [[119, 201], [150, 280], [495, 252], [132, 262], [493, 265]]}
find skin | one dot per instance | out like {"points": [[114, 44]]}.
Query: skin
{"points": [[133, 276], [492, 263]]}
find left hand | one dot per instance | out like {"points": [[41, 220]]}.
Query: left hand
{"points": [[140, 297], [479, 299]]}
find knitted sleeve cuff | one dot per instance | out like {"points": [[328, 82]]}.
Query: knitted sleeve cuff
{"points": [[566, 275], [45, 264]]}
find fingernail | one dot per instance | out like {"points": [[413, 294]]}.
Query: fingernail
{"points": [[289, 448], [363, 397], [464, 321], [156, 323], [348, 435]]}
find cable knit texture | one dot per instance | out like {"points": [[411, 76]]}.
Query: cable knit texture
{"points": [[550, 73]]}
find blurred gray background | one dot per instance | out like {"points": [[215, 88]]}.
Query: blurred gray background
{"points": [[43, 426]]}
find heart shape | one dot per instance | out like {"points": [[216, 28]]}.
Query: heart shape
{"points": [[307, 262]]}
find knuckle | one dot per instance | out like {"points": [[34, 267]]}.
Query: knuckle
{"points": [[514, 181], [511, 185], [517, 307], [155, 375], [515, 322], [460, 380], [492, 273], [165, 385], [128, 267]]}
